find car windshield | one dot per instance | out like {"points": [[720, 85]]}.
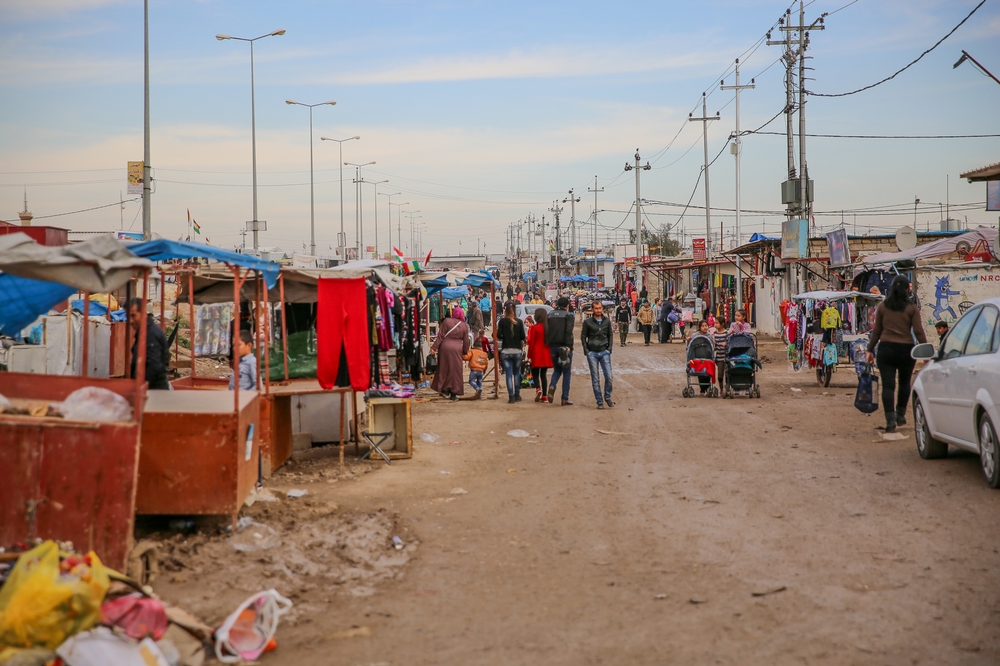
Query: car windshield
{"points": [[981, 336], [529, 310], [955, 342]]}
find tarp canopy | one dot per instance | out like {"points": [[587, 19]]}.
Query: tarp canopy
{"points": [[530, 274], [938, 248], [835, 296], [98, 265], [761, 237], [454, 293], [214, 284], [168, 250], [435, 282], [36, 278]]}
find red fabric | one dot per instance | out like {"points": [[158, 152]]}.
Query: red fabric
{"points": [[703, 365], [137, 615], [539, 355], [342, 323]]}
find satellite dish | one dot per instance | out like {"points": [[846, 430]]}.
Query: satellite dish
{"points": [[906, 238]]}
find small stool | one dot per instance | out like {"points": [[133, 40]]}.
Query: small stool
{"points": [[375, 446]]}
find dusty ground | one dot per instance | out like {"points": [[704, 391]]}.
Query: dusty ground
{"points": [[772, 531]]}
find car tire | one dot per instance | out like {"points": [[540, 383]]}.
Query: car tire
{"points": [[928, 447], [989, 451]]}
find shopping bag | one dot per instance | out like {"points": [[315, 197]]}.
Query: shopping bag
{"points": [[44, 601], [866, 399]]}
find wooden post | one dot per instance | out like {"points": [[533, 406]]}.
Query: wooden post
{"points": [[237, 283], [284, 325], [267, 342], [86, 330], [255, 326], [343, 397], [163, 303]]}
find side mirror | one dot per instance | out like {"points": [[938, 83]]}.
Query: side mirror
{"points": [[923, 352]]}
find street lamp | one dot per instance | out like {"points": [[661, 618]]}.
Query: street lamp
{"points": [[342, 240], [388, 224], [399, 224], [312, 196], [359, 228], [413, 247], [975, 63], [376, 183], [253, 118]]}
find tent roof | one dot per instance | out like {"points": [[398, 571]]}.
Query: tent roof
{"points": [[991, 172], [167, 250], [937, 248], [99, 264], [835, 296]]}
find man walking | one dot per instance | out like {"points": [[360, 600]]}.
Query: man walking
{"points": [[596, 340], [157, 349], [475, 320], [666, 325], [645, 318], [559, 338], [623, 315]]}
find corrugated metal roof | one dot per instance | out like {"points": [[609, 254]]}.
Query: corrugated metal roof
{"points": [[991, 172]]}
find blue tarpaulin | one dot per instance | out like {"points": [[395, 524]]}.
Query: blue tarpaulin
{"points": [[454, 293], [23, 300], [166, 250], [98, 309], [761, 237]]}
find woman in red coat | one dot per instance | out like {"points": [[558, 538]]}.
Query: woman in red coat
{"points": [[539, 355]]}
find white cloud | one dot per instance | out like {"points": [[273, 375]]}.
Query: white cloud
{"points": [[34, 9]]}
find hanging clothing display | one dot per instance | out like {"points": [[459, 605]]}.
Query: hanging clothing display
{"points": [[342, 332]]}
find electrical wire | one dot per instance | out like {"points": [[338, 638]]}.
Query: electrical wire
{"points": [[879, 136], [86, 210], [897, 73]]}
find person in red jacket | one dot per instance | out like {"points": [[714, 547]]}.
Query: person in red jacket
{"points": [[539, 355]]}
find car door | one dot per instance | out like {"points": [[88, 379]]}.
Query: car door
{"points": [[940, 378], [971, 371]]}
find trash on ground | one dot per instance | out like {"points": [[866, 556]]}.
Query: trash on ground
{"points": [[612, 432], [92, 403], [429, 437], [512, 470], [697, 601], [773, 590], [445, 472], [246, 633], [397, 543], [796, 390], [101, 647], [254, 537], [353, 632], [45, 600], [459, 491], [660, 597], [137, 615], [519, 433], [296, 492], [892, 436], [259, 495]]}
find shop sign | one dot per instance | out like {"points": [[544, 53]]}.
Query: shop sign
{"points": [[135, 174], [795, 239], [839, 252], [699, 250]]}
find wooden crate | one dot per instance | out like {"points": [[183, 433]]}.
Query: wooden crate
{"points": [[385, 414]]}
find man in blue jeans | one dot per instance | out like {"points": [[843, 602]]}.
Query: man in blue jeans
{"points": [[559, 338], [596, 339]]}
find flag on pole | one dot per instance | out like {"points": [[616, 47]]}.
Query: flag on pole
{"points": [[397, 255], [193, 223]]}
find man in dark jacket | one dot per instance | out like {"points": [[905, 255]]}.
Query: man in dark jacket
{"points": [[596, 340], [559, 338], [623, 315], [157, 349]]}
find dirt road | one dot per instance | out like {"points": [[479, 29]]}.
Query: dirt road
{"points": [[773, 531]]}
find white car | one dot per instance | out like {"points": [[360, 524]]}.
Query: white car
{"points": [[956, 396]]}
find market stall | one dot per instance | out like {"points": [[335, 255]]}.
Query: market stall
{"points": [[69, 443], [828, 331]]}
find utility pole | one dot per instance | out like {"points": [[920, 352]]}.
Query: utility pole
{"points": [[555, 210], [789, 58], [704, 130], [595, 190], [147, 180], [243, 233], [572, 222], [638, 219], [736, 150]]}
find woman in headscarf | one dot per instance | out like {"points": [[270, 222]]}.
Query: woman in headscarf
{"points": [[451, 344]]}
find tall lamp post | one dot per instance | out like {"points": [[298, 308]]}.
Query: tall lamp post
{"points": [[253, 119], [342, 240], [376, 183], [388, 224], [359, 227], [413, 247], [312, 195]]}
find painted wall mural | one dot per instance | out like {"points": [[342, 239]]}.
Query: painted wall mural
{"points": [[946, 293]]}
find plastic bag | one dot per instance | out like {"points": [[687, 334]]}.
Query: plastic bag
{"points": [[137, 615], [254, 537], [519, 433], [247, 631], [93, 403], [42, 604]]}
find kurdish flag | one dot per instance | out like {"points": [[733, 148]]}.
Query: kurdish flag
{"points": [[194, 223], [397, 255]]}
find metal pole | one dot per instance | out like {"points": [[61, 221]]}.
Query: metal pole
{"points": [[737, 150], [803, 169], [147, 221], [253, 142], [312, 195], [708, 210], [341, 240]]}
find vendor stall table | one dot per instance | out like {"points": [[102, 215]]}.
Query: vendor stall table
{"points": [[199, 456], [276, 417]]}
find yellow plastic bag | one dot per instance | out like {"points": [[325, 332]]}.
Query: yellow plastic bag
{"points": [[42, 605]]}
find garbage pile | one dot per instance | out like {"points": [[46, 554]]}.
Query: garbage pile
{"points": [[61, 608], [90, 403]]}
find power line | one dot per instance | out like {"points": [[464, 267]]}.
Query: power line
{"points": [[878, 136], [889, 78], [86, 210]]}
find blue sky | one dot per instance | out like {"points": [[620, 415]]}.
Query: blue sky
{"points": [[479, 113]]}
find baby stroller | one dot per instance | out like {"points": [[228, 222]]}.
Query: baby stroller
{"points": [[700, 367], [742, 365]]}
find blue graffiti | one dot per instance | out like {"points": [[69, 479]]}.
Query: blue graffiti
{"points": [[941, 293]]}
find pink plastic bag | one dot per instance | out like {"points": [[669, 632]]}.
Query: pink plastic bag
{"points": [[137, 615]]}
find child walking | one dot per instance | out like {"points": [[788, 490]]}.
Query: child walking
{"points": [[539, 355], [720, 336], [478, 360]]}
